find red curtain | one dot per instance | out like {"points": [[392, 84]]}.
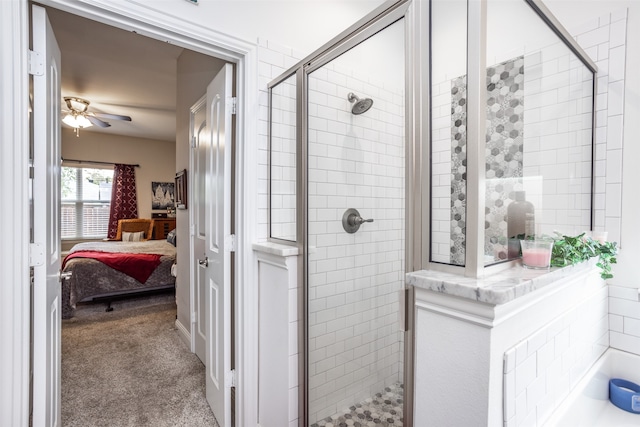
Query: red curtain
{"points": [[124, 199]]}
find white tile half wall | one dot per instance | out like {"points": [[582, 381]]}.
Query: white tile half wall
{"points": [[541, 371]]}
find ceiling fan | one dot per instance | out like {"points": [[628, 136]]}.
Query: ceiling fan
{"points": [[78, 117]]}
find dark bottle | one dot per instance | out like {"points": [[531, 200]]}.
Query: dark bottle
{"points": [[520, 223]]}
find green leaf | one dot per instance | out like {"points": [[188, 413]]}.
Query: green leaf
{"points": [[568, 250]]}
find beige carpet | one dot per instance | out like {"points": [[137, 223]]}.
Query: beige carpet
{"points": [[128, 367]]}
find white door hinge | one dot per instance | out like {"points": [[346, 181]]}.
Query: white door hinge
{"points": [[230, 243], [230, 380], [194, 317], [36, 254], [193, 142], [234, 105], [192, 230], [36, 63]]}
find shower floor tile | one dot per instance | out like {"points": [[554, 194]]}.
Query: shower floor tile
{"points": [[382, 410]]}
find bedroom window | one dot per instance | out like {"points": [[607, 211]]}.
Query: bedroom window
{"points": [[86, 200]]}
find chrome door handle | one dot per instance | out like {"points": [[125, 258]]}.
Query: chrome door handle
{"points": [[204, 262], [64, 275]]}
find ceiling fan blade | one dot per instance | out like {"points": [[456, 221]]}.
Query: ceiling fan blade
{"points": [[112, 116], [96, 121]]}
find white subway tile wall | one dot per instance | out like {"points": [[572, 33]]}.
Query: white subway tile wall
{"points": [[540, 371], [335, 158], [273, 60], [283, 160], [441, 172], [355, 279], [355, 161], [555, 138], [605, 42], [624, 318]]}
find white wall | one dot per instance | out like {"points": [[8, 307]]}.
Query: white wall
{"points": [[304, 24]]}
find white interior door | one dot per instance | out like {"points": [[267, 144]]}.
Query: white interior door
{"points": [[199, 150], [218, 245], [46, 203]]}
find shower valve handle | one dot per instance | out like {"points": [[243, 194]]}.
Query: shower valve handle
{"points": [[351, 220], [355, 219]]}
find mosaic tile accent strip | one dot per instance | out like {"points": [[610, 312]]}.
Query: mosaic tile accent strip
{"points": [[504, 147], [458, 169], [382, 410], [505, 123]]}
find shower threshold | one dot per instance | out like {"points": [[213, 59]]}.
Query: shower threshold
{"points": [[384, 409]]}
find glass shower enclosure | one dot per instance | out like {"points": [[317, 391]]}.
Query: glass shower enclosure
{"points": [[337, 190], [401, 145], [355, 235]]}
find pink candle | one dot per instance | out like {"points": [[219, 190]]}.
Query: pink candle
{"points": [[536, 257]]}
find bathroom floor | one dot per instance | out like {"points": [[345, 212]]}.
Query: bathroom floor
{"points": [[382, 410]]}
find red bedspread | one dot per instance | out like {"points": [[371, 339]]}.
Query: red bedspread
{"points": [[138, 266]]}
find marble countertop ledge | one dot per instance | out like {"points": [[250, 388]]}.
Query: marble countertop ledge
{"points": [[499, 288], [276, 249]]}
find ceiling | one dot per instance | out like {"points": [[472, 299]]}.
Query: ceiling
{"points": [[119, 72]]}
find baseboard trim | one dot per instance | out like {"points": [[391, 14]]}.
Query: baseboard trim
{"points": [[184, 334]]}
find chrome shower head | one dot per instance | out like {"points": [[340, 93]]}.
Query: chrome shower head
{"points": [[361, 105]]}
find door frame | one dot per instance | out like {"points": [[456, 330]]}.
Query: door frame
{"points": [[15, 308]]}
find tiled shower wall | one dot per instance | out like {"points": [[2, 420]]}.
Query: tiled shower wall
{"points": [[504, 147], [273, 60], [604, 39], [555, 122], [558, 141], [355, 161], [548, 136]]}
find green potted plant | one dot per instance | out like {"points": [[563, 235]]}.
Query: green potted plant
{"points": [[573, 250]]}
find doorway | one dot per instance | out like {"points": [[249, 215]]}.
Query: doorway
{"points": [[239, 58]]}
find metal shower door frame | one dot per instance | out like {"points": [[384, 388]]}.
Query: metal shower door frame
{"points": [[368, 26]]}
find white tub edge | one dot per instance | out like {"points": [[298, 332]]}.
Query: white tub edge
{"points": [[588, 403]]}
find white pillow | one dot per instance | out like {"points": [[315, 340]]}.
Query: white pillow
{"points": [[132, 237]]}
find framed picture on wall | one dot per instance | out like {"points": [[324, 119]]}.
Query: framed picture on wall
{"points": [[162, 195], [181, 189]]}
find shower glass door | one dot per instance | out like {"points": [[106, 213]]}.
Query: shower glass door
{"points": [[356, 233]]}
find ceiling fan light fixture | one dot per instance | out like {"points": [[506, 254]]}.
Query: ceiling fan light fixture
{"points": [[83, 122], [70, 120], [76, 121], [76, 104]]}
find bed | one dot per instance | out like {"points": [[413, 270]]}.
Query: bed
{"points": [[109, 269]]}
